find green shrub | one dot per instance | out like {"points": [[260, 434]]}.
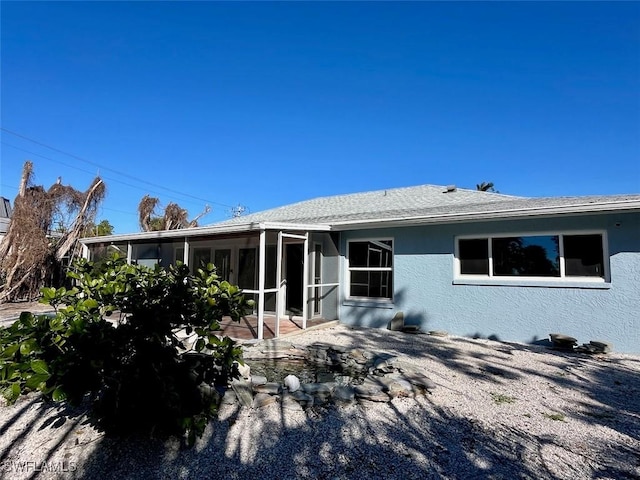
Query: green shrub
{"points": [[558, 417], [135, 370], [500, 398]]}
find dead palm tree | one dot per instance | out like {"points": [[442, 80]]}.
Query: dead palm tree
{"points": [[174, 216], [44, 229]]}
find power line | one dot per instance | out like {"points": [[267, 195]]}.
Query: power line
{"points": [[80, 169], [48, 158], [119, 211], [24, 137]]}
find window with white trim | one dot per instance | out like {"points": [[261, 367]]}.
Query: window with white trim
{"points": [[370, 269], [551, 256]]}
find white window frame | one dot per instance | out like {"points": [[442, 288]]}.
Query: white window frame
{"points": [[562, 281], [349, 269]]}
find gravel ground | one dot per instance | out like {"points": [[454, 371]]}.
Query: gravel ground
{"points": [[500, 410]]}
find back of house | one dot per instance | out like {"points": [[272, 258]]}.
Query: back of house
{"points": [[468, 262]]}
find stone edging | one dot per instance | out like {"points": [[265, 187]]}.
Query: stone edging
{"points": [[384, 377]]}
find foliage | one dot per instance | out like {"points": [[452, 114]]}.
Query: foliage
{"points": [[135, 370], [558, 417], [486, 187], [101, 229], [500, 398]]}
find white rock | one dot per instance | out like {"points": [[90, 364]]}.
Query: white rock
{"points": [[244, 370], [292, 382]]}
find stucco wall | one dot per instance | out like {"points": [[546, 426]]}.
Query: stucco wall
{"points": [[330, 274], [424, 289]]}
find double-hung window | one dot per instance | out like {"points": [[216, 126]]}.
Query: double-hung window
{"points": [[562, 256], [371, 269]]}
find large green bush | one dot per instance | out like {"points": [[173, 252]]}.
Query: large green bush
{"points": [[117, 340]]}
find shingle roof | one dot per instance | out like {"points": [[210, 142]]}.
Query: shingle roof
{"points": [[398, 206], [413, 202]]}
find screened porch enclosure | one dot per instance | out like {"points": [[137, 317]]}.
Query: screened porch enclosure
{"points": [[292, 275]]}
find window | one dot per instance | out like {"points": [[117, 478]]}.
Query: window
{"points": [[222, 261], [474, 256], [546, 256], [247, 268], [583, 256], [201, 257], [534, 256], [371, 269]]}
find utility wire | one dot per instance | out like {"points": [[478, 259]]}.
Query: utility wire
{"points": [[119, 211], [82, 170], [24, 137]]}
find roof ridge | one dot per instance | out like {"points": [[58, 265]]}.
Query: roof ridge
{"points": [[397, 189]]}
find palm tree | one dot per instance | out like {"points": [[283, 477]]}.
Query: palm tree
{"points": [[485, 187], [173, 217], [30, 256]]}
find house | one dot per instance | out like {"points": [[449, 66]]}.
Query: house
{"points": [[5, 216], [468, 262]]}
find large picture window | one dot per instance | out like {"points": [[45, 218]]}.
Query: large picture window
{"points": [[371, 269], [548, 256]]}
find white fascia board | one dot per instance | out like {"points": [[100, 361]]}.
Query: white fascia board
{"points": [[167, 234], [311, 227], [581, 209], [203, 231]]}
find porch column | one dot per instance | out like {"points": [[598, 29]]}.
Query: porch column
{"points": [[261, 277], [279, 283], [129, 252], [185, 254], [305, 281]]}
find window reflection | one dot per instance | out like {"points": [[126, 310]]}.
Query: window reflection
{"points": [[527, 256]]}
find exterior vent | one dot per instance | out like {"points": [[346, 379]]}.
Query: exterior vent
{"points": [[450, 188]]}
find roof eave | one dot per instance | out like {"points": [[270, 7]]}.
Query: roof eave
{"points": [[211, 230], [467, 217]]}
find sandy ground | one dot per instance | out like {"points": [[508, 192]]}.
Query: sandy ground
{"points": [[10, 311], [500, 410]]}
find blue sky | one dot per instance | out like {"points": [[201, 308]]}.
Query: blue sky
{"points": [[268, 103]]}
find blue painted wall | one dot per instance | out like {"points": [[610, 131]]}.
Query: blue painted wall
{"points": [[424, 289]]}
